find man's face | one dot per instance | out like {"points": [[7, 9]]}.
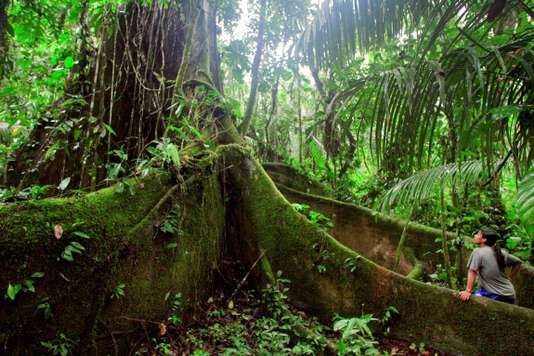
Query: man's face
{"points": [[478, 238]]}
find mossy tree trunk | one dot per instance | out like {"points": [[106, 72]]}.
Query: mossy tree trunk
{"points": [[349, 284], [129, 267], [147, 58]]}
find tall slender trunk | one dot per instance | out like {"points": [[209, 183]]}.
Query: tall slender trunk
{"points": [[318, 83], [255, 71], [3, 40], [444, 240], [299, 104], [272, 113]]}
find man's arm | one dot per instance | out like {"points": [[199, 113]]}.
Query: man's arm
{"points": [[471, 277]]}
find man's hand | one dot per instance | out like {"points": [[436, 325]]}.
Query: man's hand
{"points": [[465, 295]]}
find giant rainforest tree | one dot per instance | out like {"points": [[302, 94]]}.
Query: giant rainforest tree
{"points": [[145, 93]]}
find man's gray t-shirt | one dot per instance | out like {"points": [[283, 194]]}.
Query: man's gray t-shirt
{"points": [[491, 278]]}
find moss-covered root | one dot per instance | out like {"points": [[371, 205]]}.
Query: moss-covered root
{"points": [[376, 236], [373, 234], [290, 177], [524, 286], [125, 268], [329, 278]]}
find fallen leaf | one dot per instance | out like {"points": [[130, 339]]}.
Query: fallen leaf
{"points": [[37, 275], [162, 329], [58, 231], [64, 184]]}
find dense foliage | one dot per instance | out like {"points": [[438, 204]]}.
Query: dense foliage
{"points": [[423, 109]]}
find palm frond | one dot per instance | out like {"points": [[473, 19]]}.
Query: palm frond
{"points": [[425, 184], [525, 202], [466, 90], [341, 27]]}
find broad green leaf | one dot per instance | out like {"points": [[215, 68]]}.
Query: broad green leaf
{"points": [[83, 235], [67, 255], [69, 62], [110, 129], [13, 290], [171, 245], [513, 242], [28, 283], [78, 247], [51, 151], [172, 154]]}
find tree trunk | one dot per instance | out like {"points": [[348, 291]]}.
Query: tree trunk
{"points": [[299, 112], [3, 39], [255, 71], [138, 73], [126, 246], [270, 144]]}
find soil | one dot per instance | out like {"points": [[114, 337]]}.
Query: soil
{"points": [[404, 348]]}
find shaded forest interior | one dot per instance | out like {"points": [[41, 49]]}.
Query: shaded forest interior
{"points": [[262, 177]]}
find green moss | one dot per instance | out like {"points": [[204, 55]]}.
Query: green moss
{"points": [[416, 272], [125, 247], [427, 313], [289, 176], [420, 244]]}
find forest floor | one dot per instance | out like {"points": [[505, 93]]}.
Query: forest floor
{"points": [[244, 322]]}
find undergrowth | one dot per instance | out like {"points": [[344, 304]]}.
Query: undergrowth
{"points": [[266, 324]]}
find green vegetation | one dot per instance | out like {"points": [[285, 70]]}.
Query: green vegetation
{"points": [[131, 136], [266, 324]]}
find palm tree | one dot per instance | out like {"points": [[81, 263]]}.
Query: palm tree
{"points": [[463, 92]]}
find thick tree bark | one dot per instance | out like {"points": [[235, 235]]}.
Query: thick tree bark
{"points": [[255, 71], [140, 71]]}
